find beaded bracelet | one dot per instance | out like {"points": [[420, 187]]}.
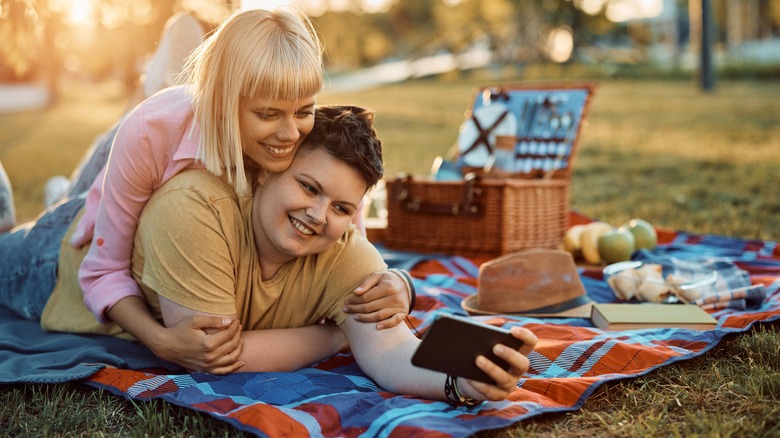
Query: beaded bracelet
{"points": [[454, 397]]}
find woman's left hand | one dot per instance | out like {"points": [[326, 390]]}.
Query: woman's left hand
{"points": [[382, 298], [505, 381]]}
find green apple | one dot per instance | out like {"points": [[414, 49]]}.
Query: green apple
{"points": [[644, 233], [617, 245]]}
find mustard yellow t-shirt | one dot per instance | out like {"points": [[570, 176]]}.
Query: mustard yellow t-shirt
{"points": [[194, 246]]}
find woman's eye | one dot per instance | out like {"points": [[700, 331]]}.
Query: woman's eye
{"points": [[309, 188], [265, 116], [304, 114], [340, 209]]}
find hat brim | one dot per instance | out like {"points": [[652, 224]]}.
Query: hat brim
{"points": [[582, 311]]}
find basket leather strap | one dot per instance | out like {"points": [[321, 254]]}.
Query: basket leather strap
{"points": [[499, 93], [484, 134], [467, 206]]}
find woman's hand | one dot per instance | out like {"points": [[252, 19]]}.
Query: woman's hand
{"points": [[202, 343], [210, 344], [505, 381], [382, 297]]}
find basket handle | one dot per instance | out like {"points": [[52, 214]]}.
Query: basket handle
{"points": [[467, 207]]}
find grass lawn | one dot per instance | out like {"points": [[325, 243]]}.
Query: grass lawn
{"points": [[662, 151]]}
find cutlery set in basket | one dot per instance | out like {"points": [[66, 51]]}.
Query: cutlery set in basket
{"points": [[516, 148]]}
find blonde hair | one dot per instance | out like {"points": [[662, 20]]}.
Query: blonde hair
{"points": [[275, 54]]}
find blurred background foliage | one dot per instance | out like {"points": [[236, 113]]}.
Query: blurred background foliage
{"points": [[48, 41]]}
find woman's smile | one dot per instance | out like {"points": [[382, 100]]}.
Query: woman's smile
{"points": [[300, 226], [280, 152]]}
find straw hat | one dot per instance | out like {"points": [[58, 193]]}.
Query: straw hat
{"points": [[537, 282]]}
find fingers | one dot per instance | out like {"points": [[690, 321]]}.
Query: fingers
{"points": [[386, 316], [204, 343], [383, 295], [387, 305], [376, 311], [227, 369], [392, 321], [204, 322], [224, 343], [505, 381], [380, 298], [368, 283], [527, 336], [226, 364], [379, 291]]}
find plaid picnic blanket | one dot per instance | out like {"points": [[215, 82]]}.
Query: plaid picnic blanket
{"points": [[334, 398]]}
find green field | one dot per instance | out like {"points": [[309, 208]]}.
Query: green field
{"points": [[663, 151]]}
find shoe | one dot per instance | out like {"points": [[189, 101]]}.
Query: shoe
{"points": [[181, 35], [7, 212], [55, 189]]}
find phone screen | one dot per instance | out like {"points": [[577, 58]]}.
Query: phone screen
{"points": [[452, 344]]}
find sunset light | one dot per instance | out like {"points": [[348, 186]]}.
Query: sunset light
{"points": [[263, 4], [317, 7], [80, 12]]}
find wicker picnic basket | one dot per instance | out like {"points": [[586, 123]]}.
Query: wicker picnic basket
{"points": [[493, 211]]}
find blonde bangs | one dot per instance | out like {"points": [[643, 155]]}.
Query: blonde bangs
{"points": [[287, 66], [274, 54]]}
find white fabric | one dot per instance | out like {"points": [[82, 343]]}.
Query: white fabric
{"points": [[182, 34]]}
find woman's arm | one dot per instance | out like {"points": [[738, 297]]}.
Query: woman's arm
{"points": [[290, 349], [198, 343], [274, 349], [126, 186], [384, 298], [386, 356], [141, 160]]}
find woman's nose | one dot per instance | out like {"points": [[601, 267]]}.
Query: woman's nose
{"points": [[288, 131], [317, 213]]}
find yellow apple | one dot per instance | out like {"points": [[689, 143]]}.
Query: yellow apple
{"points": [[571, 240], [589, 241], [644, 233], [616, 245]]}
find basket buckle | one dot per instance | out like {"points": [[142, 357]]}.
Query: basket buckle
{"points": [[468, 205]]}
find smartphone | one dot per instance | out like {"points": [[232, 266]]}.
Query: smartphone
{"points": [[452, 344]]}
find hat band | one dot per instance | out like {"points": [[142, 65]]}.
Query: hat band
{"points": [[560, 307]]}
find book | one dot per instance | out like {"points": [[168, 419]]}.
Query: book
{"points": [[627, 316]]}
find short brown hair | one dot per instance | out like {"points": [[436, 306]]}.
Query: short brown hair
{"points": [[347, 133]]}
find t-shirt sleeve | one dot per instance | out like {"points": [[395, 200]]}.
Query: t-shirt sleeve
{"points": [[183, 252], [357, 260]]}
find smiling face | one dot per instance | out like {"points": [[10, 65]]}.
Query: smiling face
{"points": [[304, 210], [272, 129]]}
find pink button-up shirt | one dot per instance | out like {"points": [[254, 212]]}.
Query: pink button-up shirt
{"points": [[155, 142]]}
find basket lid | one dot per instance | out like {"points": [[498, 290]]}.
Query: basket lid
{"points": [[547, 121]]}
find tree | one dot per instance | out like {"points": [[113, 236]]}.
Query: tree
{"points": [[21, 34], [36, 36]]}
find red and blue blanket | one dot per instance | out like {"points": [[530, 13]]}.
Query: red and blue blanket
{"points": [[334, 398]]}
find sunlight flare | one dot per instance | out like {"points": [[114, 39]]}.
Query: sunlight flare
{"points": [[80, 12]]}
